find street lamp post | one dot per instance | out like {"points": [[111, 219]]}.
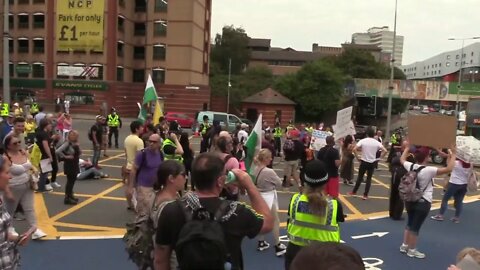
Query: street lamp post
{"points": [[392, 72], [229, 83], [459, 86], [6, 56]]}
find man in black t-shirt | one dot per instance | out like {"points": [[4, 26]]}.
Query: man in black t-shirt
{"points": [[209, 176], [292, 158], [331, 157], [97, 136]]}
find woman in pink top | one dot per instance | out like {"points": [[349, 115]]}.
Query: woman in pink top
{"points": [[66, 124]]}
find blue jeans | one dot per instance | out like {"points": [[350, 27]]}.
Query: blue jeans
{"points": [[96, 155], [42, 181], [89, 173], [458, 192]]}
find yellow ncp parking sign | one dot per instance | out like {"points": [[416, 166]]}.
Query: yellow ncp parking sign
{"points": [[80, 25]]}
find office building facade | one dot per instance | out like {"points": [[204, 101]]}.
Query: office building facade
{"points": [[383, 38], [167, 39], [445, 66]]}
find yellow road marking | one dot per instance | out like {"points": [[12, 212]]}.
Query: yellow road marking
{"points": [[111, 166], [85, 226], [349, 205], [113, 198], [376, 180], [113, 157], [85, 203], [43, 220]]}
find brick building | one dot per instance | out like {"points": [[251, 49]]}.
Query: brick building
{"points": [[167, 39], [271, 104]]}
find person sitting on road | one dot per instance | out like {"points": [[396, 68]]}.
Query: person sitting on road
{"points": [[313, 216], [327, 256], [237, 219], [88, 171], [418, 211]]}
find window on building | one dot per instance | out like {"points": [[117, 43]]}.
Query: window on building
{"points": [[121, 3], [38, 70], [79, 98], [39, 1], [38, 45], [159, 52], [11, 68], [140, 5], [11, 21], [38, 20], [120, 48], [23, 70], [471, 61], [158, 75], [120, 71], [10, 45], [23, 45], [23, 2], [138, 75], [120, 23], [456, 64], [448, 57], [464, 55], [139, 29], [471, 54], [99, 73], [139, 52], [61, 76], [10, 2], [161, 5], [23, 20], [160, 28], [447, 64], [457, 57], [79, 77], [440, 65]]}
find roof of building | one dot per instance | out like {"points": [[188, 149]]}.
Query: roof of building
{"points": [[259, 42], [286, 55], [269, 96], [368, 47]]}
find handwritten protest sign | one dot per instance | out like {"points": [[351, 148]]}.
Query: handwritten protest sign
{"points": [[318, 139], [344, 125]]}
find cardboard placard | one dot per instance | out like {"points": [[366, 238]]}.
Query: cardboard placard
{"points": [[437, 131], [318, 139], [343, 126]]}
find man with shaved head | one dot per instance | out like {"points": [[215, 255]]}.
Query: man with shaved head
{"points": [[144, 174]]}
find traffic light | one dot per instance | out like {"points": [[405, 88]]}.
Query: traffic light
{"points": [[372, 106]]}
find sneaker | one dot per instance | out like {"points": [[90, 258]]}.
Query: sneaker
{"points": [[351, 193], [12, 231], [56, 185], [48, 187], [403, 248], [413, 253], [38, 234], [263, 245], [280, 250], [455, 220], [365, 197], [350, 183], [437, 217]]}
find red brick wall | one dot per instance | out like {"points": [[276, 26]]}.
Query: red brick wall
{"points": [[268, 111], [218, 104]]}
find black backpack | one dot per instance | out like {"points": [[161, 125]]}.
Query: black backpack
{"points": [[201, 242]]}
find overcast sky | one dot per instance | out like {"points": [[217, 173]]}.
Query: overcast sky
{"points": [[426, 24]]}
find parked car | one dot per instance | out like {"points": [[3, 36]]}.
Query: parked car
{"points": [[227, 121], [432, 109], [417, 107], [442, 111], [450, 112], [425, 110], [183, 119]]}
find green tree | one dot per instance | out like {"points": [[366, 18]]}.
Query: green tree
{"points": [[317, 87], [231, 44]]}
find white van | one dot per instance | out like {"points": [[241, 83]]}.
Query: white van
{"points": [[227, 121]]}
